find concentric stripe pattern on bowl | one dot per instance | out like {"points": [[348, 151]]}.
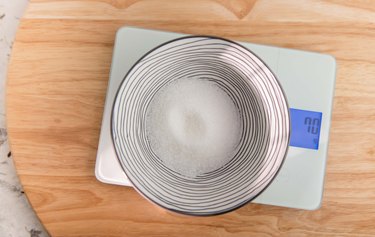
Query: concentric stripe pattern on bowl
{"points": [[254, 90]]}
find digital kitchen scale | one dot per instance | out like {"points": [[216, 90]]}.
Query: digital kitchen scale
{"points": [[308, 80]]}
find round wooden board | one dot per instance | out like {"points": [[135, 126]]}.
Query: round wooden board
{"points": [[56, 90]]}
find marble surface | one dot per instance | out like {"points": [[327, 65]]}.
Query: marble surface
{"points": [[16, 216]]}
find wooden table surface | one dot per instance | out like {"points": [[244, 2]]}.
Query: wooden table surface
{"points": [[56, 90]]}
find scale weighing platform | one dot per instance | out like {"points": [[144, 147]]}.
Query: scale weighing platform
{"points": [[308, 80]]}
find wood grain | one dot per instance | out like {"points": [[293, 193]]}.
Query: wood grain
{"points": [[55, 97]]}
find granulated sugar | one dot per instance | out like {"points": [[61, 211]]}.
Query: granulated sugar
{"points": [[193, 126]]}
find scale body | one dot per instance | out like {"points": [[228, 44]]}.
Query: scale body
{"points": [[308, 80]]}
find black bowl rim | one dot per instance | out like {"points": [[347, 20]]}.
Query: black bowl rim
{"points": [[227, 210]]}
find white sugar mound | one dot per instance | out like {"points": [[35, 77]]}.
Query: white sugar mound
{"points": [[193, 126]]}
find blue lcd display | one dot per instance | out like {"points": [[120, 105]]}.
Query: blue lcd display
{"points": [[305, 131]]}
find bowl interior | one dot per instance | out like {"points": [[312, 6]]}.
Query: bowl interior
{"points": [[264, 118]]}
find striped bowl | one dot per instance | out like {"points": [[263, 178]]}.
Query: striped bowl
{"points": [[263, 110]]}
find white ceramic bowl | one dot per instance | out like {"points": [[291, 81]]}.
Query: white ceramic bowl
{"points": [[264, 115]]}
